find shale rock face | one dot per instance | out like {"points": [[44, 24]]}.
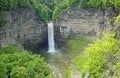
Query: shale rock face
{"points": [[22, 26], [80, 22]]}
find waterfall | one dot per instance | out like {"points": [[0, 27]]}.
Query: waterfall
{"points": [[51, 42]]}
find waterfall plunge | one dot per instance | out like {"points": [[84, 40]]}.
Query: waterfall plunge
{"points": [[51, 42]]}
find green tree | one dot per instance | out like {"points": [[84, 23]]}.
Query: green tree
{"points": [[117, 4], [44, 13], [118, 19], [3, 4], [95, 58], [2, 19], [52, 9], [23, 3], [8, 50], [19, 72], [110, 4], [3, 70], [12, 4], [104, 4], [23, 65], [83, 4], [59, 9]]}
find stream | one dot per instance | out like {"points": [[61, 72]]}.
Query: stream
{"points": [[59, 62], [55, 60]]}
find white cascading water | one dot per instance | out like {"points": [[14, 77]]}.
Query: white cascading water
{"points": [[51, 42]]}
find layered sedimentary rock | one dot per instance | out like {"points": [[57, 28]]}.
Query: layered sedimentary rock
{"points": [[79, 21], [22, 25]]}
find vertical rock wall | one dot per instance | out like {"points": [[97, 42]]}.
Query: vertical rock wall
{"points": [[22, 25], [81, 22]]}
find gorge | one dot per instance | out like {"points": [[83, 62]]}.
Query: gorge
{"points": [[83, 31], [74, 22]]}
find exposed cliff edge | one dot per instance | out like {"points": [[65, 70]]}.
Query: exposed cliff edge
{"points": [[22, 25]]}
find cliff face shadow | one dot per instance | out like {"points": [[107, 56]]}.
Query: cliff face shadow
{"points": [[36, 47]]}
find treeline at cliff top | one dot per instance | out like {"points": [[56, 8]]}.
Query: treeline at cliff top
{"points": [[51, 9]]}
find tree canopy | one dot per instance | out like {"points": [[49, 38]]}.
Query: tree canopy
{"points": [[51, 9], [96, 59], [16, 64]]}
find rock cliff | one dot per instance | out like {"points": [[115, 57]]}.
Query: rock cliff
{"points": [[78, 21], [22, 26]]}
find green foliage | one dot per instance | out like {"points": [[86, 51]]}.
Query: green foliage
{"points": [[94, 4], [3, 70], [46, 9], [83, 4], [3, 4], [51, 9], [112, 20], [63, 6], [118, 19], [14, 64], [100, 4], [11, 4], [6, 5], [19, 72], [44, 13], [8, 50], [59, 9], [73, 3], [95, 58], [23, 3], [76, 44], [71, 71], [117, 75], [117, 4], [2, 19], [118, 65]]}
